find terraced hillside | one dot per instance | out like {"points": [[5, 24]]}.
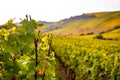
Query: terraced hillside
{"points": [[85, 24]]}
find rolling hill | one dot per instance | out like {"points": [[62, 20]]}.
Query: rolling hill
{"points": [[89, 23]]}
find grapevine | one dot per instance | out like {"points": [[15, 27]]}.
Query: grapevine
{"points": [[23, 52]]}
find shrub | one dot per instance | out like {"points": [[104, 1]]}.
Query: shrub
{"points": [[102, 32], [117, 27], [99, 36], [90, 33], [82, 34]]}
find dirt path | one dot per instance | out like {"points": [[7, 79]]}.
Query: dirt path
{"points": [[61, 69]]}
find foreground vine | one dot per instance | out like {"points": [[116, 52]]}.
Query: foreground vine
{"points": [[24, 52]]}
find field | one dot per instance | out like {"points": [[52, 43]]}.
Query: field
{"points": [[86, 58], [28, 54], [86, 23]]}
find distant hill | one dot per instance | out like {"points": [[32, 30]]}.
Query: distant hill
{"points": [[88, 23]]}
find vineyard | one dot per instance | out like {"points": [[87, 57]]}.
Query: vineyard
{"points": [[27, 54], [86, 58]]}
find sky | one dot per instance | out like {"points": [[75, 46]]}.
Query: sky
{"points": [[53, 10]]}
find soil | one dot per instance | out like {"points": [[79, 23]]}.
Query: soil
{"points": [[61, 70]]}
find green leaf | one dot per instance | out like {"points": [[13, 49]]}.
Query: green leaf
{"points": [[16, 67], [26, 39]]}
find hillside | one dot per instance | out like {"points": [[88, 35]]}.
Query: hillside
{"points": [[85, 24]]}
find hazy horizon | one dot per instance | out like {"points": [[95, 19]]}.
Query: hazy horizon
{"points": [[53, 10]]}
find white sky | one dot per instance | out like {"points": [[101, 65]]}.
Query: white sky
{"points": [[53, 10]]}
